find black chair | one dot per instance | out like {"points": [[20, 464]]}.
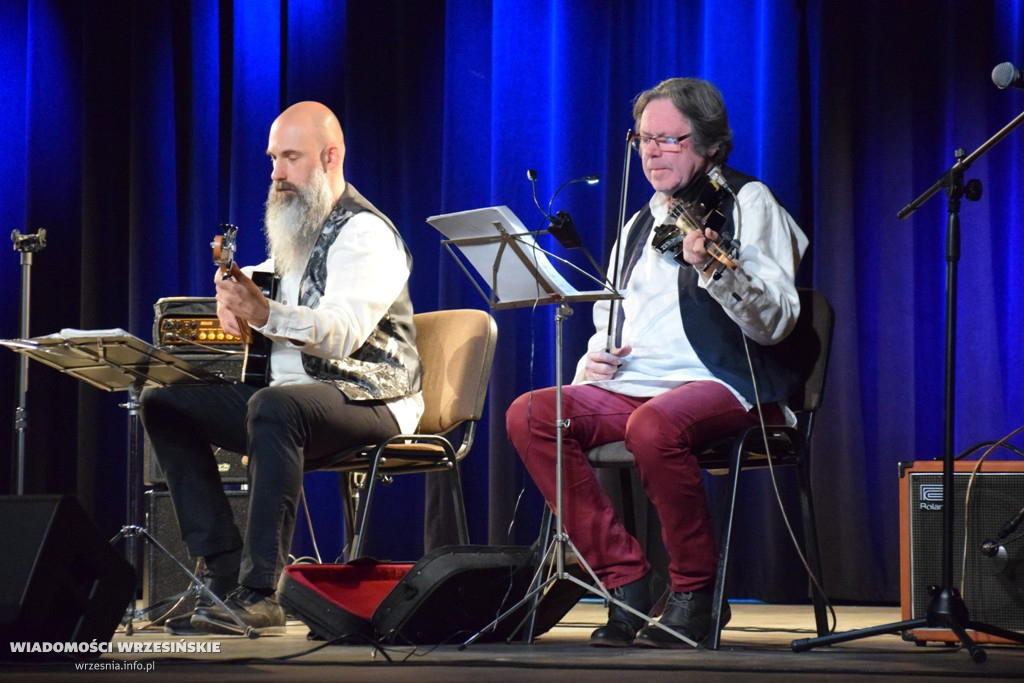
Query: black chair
{"points": [[456, 348], [807, 348]]}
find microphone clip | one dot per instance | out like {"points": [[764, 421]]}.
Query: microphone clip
{"points": [[564, 230]]}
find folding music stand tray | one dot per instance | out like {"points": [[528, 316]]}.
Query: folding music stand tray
{"points": [[114, 360], [528, 279]]}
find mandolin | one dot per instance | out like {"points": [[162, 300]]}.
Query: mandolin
{"points": [[256, 361], [696, 207]]}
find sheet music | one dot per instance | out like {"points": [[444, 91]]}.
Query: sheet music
{"points": [[514, 282], [111, 359]]}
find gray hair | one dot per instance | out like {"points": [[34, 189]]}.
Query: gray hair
{"points": [[701, 103]]}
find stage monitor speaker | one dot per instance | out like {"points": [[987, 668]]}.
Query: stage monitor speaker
{"points": [[162, 578], [62, 582], [993, 582]]}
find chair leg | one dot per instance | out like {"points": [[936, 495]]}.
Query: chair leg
{"points": [[715, 636], [459, 503], [363, 511], [811, 550]]}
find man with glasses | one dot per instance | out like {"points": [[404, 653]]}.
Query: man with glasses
{"points": [[667, 368]]}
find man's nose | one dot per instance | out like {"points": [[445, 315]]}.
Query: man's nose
{"points": [[277, 171]]}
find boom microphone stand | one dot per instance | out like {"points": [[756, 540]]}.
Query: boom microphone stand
{"points": [[947, 609]]}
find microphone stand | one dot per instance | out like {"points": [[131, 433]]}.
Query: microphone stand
{"points": [[26, 245], [947, 609]]}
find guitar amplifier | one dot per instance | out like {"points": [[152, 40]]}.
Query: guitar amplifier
{"points": [[188, 327], [190, 323], [993, 577]]}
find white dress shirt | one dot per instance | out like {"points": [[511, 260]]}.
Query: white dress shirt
{"points": [[366, 271], [662, 357]]}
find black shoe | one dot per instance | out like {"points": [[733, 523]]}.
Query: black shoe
{"points": [[262, 613], [622, 625], [221, 586], [687, 613]]}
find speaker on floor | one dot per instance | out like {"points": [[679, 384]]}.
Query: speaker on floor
{"points": [[993, 574], [61, 581], [162, 578]]}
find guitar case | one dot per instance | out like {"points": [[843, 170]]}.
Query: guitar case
{"points": [[446, 597]]}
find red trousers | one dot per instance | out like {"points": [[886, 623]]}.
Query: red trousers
{"points": [[662, 433]]}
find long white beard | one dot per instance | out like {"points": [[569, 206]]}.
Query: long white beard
{"points": [[292, 223]]}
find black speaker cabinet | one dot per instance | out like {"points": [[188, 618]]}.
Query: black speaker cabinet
{"points": [[162, 578], [61, 581], [993, 578], [231, 465]]}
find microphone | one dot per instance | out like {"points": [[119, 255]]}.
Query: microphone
{"points": [[561, 224], [990, 546], [1006, 75]]}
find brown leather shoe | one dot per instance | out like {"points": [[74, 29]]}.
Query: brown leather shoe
{"points": [[262, 613]]}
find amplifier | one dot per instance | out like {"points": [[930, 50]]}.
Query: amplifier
{"points": [[190, 322], [993, 579], [162, 578], [180, 323], [231, 466]]}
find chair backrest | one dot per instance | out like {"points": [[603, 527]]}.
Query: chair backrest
{"points": [[811, 342], [456, 348]]}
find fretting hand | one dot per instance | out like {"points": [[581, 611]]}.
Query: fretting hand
{"points": [[238, 297]]}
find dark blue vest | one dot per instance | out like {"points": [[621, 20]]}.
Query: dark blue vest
{"points": [[716, 338]]}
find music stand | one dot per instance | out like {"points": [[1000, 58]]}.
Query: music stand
{"points": [[114, 360], [485, 236]]}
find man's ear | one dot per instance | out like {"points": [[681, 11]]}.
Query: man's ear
{"points": [[330, 157]]}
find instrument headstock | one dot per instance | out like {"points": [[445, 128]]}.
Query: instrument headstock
{"points": [[224, 246]]}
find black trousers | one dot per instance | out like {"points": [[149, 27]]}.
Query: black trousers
{"points": [[284, 430]]}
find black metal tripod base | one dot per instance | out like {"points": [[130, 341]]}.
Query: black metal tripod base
{"points": [[131, 531], [946, 611]]}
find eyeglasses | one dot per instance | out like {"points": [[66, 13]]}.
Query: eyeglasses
{"points": [[664, 143]]}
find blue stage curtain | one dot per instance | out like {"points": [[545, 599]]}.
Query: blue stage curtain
{"points": [[133, 130]]}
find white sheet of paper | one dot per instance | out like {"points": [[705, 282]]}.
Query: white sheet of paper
{"points": [[515, 282]]}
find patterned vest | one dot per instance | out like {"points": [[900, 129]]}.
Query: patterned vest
{"points": [[387, 365]]}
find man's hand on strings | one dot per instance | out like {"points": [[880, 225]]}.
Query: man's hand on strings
{"points": [[238, 297], [604, 364]]}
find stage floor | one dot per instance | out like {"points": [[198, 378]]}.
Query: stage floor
{"points": [[756, 644]]}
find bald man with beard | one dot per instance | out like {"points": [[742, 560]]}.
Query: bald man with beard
{"points": [[343, 372]]}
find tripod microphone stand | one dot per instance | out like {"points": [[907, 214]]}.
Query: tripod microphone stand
{"points": [[947, 609]]}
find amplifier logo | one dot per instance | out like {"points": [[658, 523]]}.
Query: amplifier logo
{"points": [[930, 497]]}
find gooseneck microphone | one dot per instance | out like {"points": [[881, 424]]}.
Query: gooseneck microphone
{"points": [[1006, 75], [561, 225]]}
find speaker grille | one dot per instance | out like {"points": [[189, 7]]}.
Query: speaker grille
{"points": [[994, 587], [162, 577]]}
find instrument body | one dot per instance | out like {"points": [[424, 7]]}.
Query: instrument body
{"points": [[256, 366], [698, 206]]}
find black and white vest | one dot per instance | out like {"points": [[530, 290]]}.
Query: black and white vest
{"points": [[716, 338], [387, 365]]}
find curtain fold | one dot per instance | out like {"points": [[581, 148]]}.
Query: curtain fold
{"points": [[133, 131]]}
